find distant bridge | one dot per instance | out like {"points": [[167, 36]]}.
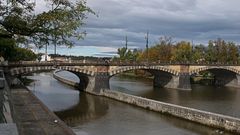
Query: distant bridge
{"points": [[95, 76]]}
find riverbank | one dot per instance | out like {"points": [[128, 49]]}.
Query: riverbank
{"points": [[31, 115]]}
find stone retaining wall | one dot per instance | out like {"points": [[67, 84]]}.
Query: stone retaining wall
{"points": [[207, 118], [69, 82], [63, 80]]}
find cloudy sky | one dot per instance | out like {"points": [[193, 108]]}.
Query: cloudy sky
{"points": [[191, 20]]}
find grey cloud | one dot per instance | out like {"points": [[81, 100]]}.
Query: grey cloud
{"points": [[198, 20]]}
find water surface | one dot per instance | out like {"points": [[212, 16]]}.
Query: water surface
{"points": [[93, 115]]}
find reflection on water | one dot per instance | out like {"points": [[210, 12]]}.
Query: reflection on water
{"points": [[88, 108], [94, 115], [52, 93]]}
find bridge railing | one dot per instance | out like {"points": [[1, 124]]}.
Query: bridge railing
{"points": [[29, 63], [112, 63]]}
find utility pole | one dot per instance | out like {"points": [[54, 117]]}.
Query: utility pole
{"points": [[126, 42], [46, 52], [55, 38], [191, 60], [146, 37]]}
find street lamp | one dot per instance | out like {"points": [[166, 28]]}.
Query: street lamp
{"points": [[146, 37], [46, 55], [126, 39]]}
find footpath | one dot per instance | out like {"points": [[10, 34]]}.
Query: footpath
{"points": [[31, 116]]}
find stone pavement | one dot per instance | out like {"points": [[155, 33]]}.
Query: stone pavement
{"points": [[32, 117]]}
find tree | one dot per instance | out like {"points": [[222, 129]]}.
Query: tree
{"points": [[24, 54], [161, 51], [199, 53], [222, 51], [11, 52], [7, 48], [211, 52], [182, 52], [165, 49], [122, 53], [233, 53], [53, 26]]}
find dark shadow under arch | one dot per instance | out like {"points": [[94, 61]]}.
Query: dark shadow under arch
{"points": [[223, 77], [83, 80], [161, 78]]}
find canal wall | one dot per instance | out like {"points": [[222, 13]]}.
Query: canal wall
{"points": [[207, 118], [70, 82], [64, 80], [203, 117]]}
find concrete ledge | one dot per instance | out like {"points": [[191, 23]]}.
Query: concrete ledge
{"points": [[70, 82], [206, 118], [63, 80]]}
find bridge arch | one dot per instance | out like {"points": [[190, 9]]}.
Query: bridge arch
{"points": [[84, 74], [75, 70], [231, 69], [147, 68], [163, 76], [223, 75]]}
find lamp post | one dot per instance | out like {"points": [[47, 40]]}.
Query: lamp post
{"points": [[146, 37], [126, 42], [54, 36], [46, 52]]}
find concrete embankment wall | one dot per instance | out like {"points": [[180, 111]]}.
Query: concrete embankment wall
{"points": [[206, 118], [64, 80], [69, 82], [203, 117]]}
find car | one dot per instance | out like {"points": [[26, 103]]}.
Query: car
{"points": [[2, 79]]}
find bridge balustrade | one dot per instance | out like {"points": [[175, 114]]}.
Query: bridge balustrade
{"points": [[112, 63]]}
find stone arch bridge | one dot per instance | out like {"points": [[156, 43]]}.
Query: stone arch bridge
{"points": [[95, 76]]}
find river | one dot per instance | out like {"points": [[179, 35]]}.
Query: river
{"points": [[92, 115]]}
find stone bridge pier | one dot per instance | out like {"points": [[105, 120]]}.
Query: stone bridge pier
{"points": [[174, 81], [163, 77], [95, 82]]}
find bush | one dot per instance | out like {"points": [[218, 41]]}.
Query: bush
{"points": [[9, 51]]}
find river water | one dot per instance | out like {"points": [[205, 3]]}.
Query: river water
{"points": [[92, 115]]}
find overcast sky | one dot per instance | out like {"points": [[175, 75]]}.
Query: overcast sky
{"points": [[191, 20]]}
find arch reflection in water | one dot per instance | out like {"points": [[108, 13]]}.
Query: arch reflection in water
{"points": [[88, 108], [102, 116]]}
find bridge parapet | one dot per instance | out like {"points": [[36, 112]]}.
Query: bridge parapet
{"points": [[25, 70]]}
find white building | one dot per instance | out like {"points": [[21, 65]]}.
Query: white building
{"points": [[43, 58]]}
